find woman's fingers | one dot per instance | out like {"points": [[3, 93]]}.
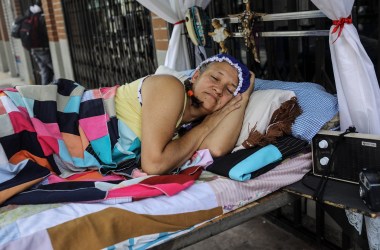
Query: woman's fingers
{"points": [[215, 118], [252, 78], [252, 81], [249, 91], [236, 101], [233, 104]]}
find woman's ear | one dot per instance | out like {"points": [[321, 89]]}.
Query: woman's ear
{"points": [[195, 75]]}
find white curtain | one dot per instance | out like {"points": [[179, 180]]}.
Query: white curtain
{"points": [[173, 11], [357, 87]]}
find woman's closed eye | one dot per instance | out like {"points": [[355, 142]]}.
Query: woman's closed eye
{"points": [[230, 90], [214, 78]]}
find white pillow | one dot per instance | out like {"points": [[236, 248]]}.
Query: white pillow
{"points": [[163, 70], [261, 106]]}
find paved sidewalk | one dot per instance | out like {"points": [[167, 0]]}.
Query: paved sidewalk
{"points": [[7, 81]]}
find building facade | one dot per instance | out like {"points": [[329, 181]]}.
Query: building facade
{"points": [[97, 42], [108, 42]]}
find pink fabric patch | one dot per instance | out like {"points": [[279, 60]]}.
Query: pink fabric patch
{"points": [[139, 191], [2, 109], [94, 127], [138, 173], [158, 185], [56, 179], [111, 177], [48, 144], [109, 92], [9, 89], [171, 189], [24, 111], [46, 129], [20, 122], [201, 158], [96, 94]]}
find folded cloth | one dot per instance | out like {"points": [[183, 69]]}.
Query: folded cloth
{"points": [[280, 124], [269, 114], [248, 163]]}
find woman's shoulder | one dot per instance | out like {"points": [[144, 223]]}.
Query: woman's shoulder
{"points": [[163, 82], [163, 92]]}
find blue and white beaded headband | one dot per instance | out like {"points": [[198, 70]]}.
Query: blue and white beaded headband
{"points": [[243, 72]]}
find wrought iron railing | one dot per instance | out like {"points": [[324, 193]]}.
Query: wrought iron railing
{"points": [[111, 41], [295, 58], [303, 58]]}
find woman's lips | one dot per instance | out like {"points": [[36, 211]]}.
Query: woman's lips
{"points": [[212, 96]]}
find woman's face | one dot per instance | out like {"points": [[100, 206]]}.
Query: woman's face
{"points": [[215, 86]]}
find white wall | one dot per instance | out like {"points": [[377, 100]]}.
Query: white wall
{"points": [[161, 54]]}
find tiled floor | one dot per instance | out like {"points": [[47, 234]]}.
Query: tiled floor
{"points": [[257, 233]]}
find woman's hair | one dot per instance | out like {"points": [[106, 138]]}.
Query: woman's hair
{"points": [[195, 102], [243, 72]]}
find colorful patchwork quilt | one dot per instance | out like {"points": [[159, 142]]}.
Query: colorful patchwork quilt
{"points": [[72, 136]]}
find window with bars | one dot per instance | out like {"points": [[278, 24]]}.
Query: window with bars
{"points": [[111, 41]]}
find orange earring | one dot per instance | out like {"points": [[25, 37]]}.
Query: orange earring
{"points": [[190, 93]]}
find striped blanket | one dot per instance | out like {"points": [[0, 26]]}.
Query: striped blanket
{"points": [[72, 136], [143, 223]]}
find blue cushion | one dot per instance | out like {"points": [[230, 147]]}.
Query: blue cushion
{"points": [[318, 106]]}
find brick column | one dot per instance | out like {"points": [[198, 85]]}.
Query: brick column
{"points": [[59, 46], [51, 26], [3, 25], [161, 37], [17, 8]]}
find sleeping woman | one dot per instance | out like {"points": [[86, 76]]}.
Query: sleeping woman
{"points": [[157, 106]]}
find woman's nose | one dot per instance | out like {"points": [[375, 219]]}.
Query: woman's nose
{"points": [[218, 90]]}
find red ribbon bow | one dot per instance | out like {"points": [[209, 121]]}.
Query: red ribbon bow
{"points": [[179, 22], [339, 24]]}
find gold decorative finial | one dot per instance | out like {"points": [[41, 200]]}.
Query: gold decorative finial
{"points": [[247, 19]]}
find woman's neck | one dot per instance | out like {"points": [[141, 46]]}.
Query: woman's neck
{"points": [[191, 113]]}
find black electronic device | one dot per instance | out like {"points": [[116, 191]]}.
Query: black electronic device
{"points": [[369, 182], [352, 153]]}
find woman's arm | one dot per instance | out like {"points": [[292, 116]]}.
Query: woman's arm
{"points": [[223, 138], [163, 98]]}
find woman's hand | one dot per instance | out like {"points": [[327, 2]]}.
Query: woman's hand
{"points": [[212, 120], [251, 87]]}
